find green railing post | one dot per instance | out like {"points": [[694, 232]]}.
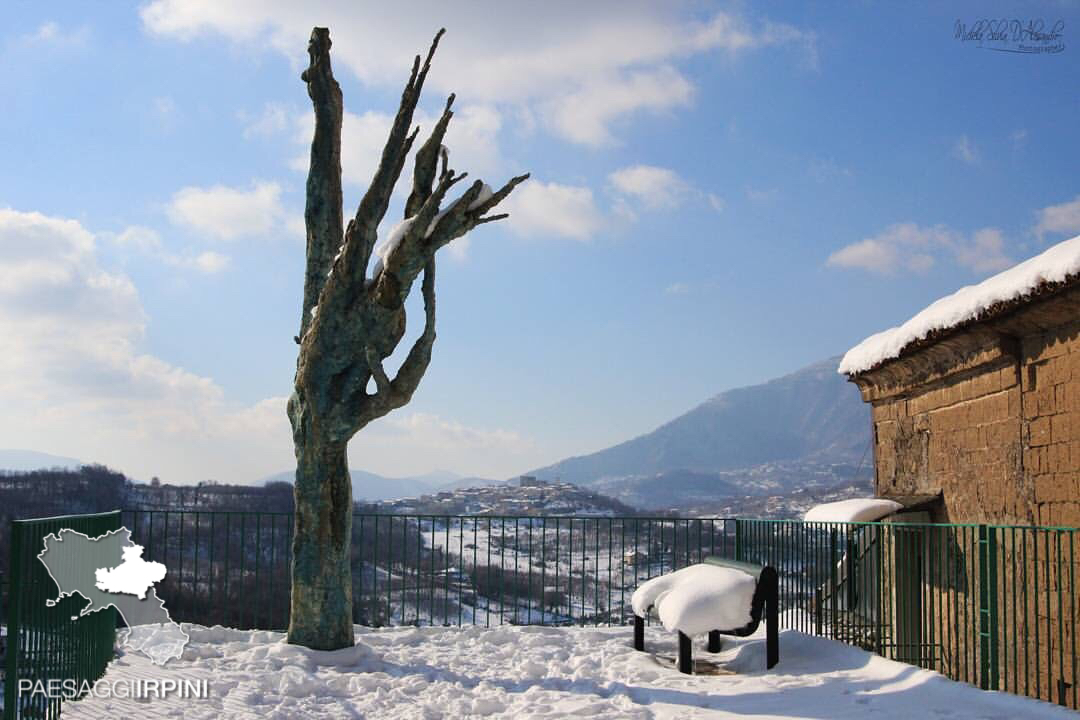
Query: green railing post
{"points": [[11, 672], [740, 548], [834, 590], [988, 616]]}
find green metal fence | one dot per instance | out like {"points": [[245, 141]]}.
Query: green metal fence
{"points": [[990, 605], [232, 568], [44, 643]]}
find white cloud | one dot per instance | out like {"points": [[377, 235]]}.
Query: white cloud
{"points": [[871, 254], [227, 213], [272, 120], [459, 248], [48, 31], [677, 288], [761, 196], [909, 247], [165, 106], [584, 116], [656, 188], [964, 149], [578, 67], [74, 380], [823, 170], [73, 377], [148, 242], [472, 140], [138, 237], [433, 432], [51, 33], [1062, 219], [984, 253], [538, 208], [413, 443], [208, 262]]}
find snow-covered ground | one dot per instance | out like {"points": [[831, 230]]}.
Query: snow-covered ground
{"points": [[538, 672]]}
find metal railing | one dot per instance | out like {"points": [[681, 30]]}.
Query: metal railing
{"points": [[46, 642], [990, 605], [232, 568]]}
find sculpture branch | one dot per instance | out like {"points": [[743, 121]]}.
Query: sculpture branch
{"points": [[323, 209], [374, 363], [416, 362], [427, 158], [466, 216], [373, 206]]}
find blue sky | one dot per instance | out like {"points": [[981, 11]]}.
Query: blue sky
{"points": [[721, 193]]}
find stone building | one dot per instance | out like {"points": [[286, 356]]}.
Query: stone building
{"points": [[976, 419], [977, 398]]}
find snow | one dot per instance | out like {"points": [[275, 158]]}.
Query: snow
{"points": [[537, 672], [852, 511], [517, 549], [393, 239], [1054, 265], [438, 216], [486, 194], [698, 598]]}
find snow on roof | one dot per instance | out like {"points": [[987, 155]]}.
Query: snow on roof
{"points": [[1055, 265], [854, 510]]}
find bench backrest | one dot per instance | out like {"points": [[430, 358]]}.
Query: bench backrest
{"points": [[763, 589], [748, 568]]}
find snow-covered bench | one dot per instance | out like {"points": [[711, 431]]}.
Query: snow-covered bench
{"points": [[718, 597]]}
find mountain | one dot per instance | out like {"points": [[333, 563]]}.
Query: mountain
{"points": [[749, 440], [471, 482], [371, 487], [26, 460], [438, 478]]}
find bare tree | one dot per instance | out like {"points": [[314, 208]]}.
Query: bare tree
{"points": [[352, 322]]}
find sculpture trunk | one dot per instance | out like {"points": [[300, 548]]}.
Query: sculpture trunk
{"points": [[321, 616], [352, 319]]}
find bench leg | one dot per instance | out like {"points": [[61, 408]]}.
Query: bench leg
{"points": [[686, 661], [639, 632], [714, 641], [772, 617]]}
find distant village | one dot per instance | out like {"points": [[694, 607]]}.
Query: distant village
{"points": [[528, 495]]}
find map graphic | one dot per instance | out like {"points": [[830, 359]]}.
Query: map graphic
{"points": [[109, 571]]}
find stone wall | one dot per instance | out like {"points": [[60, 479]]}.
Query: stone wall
{"points": [[1050, 384], [989, 417]]}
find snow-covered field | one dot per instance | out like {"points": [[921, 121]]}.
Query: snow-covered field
{"points": [[537, 672]]}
